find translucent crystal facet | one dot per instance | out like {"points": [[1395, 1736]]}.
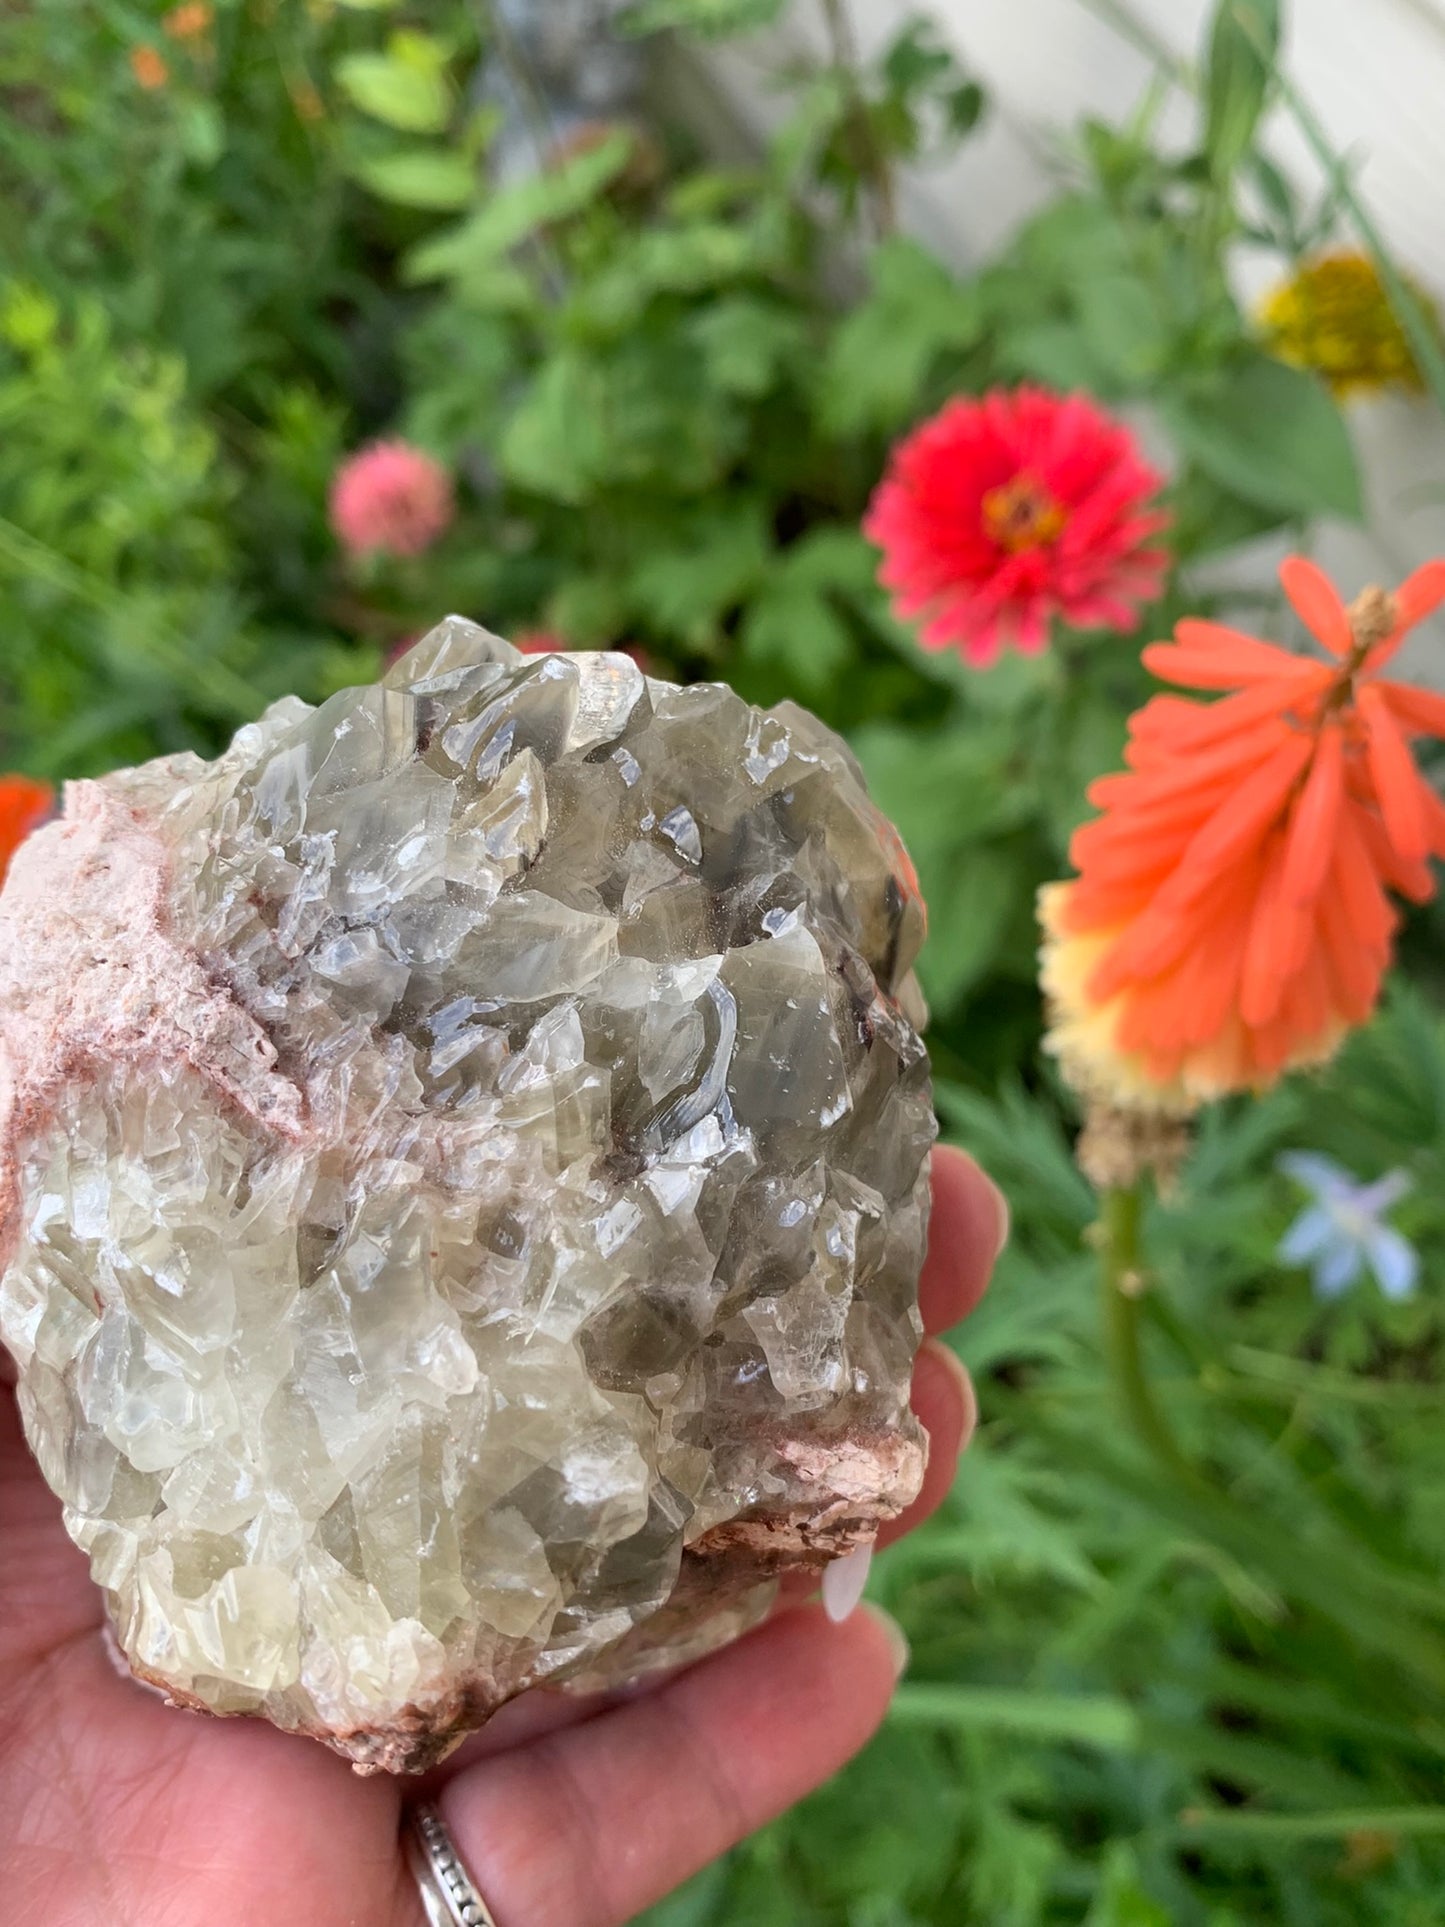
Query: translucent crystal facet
{"points": [[462, 1186]]}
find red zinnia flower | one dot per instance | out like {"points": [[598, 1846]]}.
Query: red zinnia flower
{"points": [[1231, 917], [24, 804], [391, 497], [1000, 514]]}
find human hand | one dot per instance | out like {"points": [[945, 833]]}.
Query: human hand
{"points": [[117, 1811]]}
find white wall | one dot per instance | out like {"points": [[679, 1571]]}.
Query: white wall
{"points": [[1374, 71]]}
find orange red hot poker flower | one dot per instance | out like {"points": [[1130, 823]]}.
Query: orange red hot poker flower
{"points": [[1232, 915]]}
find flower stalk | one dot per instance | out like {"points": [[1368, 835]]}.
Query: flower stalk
{"points": [[1124, 1280], [874, 164]]}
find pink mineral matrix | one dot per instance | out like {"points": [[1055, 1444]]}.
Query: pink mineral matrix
{"points": [[91, 974]]}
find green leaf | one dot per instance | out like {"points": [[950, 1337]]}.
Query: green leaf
{"points": [[1243, 45], [1055, 352], [554, 442], [403, 92], [1209, 518], [1022, 1144], [801, 144], [923, 80], [1085, 1719], [877, 372], [946, 791], [699, 254], [1276, 192], [589, 610], [432, 177], [681, 258], [792, 625], [836, 558], [202, 132], [1086, 736], [950, 794], [513, 213], [969, 914], [1016, 1520], [708, 19], [745, 341], [1125, 329], [1272, 435], [686, 590], [637, 416], [1122, 1900], [918, 57], [964, 107], [850, 1849], [1073, 237]]}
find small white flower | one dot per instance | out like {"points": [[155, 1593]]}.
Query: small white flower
{"points": [[1342, 1234]]}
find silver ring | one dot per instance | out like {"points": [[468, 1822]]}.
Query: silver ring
{"points": [[448, 1897]]}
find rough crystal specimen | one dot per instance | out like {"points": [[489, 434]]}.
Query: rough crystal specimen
{"points": [[462, 1186]]}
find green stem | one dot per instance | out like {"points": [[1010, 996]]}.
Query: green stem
{"points": [[873, 160], [1140, 35], [1409, 312], [1416, 1822], [492, 23], [1122, 1278]]}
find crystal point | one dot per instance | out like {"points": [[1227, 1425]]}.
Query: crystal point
{"points": [[463, 1187]]}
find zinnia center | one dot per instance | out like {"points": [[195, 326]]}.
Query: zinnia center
{"points": [[1021, 514]]}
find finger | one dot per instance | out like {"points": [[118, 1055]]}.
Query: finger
{"points": [[589, 1826], [965, 1235], [970, 1218], [943, 1397], [531, 1716], [46, 1596]]}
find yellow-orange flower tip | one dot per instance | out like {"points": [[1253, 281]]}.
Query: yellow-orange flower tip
{"points": [[1232, 918], [149, 68], [189, 21]]}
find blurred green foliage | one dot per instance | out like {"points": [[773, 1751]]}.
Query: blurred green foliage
{"points": [[667, 387]]}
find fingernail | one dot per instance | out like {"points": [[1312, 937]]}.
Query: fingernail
{"points": [[897, 1638], [844, 1580], [1005, 1216], [963, 1378]]}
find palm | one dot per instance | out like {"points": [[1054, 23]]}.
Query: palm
{"points": [[115, 1808]]}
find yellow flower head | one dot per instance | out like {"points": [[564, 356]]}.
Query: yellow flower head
{"points": [[1334, 317]]}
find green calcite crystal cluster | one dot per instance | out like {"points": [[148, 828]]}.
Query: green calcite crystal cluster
{"points": [[462, 1186]]}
